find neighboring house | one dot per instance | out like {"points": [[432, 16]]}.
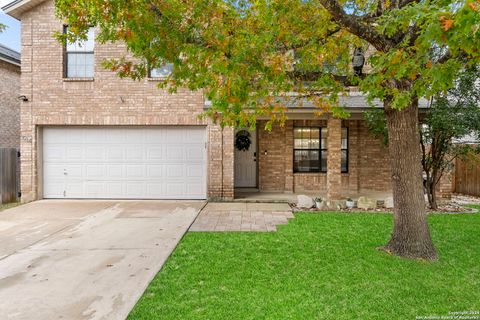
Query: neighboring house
{"points": [[9, 102], [88, 134]]}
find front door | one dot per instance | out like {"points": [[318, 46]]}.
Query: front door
{"points": [[245, 158]]}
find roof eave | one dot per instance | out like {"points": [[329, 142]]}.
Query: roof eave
{"points": [[15, 62], [16, 8]]}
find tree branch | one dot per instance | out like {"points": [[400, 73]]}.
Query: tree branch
{"points": [[356, 26]]}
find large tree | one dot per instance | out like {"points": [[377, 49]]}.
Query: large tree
{"points": [[452, 117], [248, 56]]}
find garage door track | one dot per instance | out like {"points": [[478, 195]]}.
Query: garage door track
{"points": [[85, 259]]}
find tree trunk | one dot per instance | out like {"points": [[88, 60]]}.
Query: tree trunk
{"points": [[411, 236], [433, 191], [433, 202]]}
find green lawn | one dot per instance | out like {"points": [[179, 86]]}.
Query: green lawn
{"points": [[319, 266]]}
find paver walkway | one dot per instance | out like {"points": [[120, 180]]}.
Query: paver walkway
{"points": [[235, 216]]}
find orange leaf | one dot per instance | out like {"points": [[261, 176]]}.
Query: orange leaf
{"points": [[429, 64], [473, 6], [446, 24]]}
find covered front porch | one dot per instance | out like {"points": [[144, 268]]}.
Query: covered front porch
{"points": [[329, 158]]}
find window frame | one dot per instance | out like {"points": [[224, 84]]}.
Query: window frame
{"points": [[346, 151], [322, 150], [65, 58]]}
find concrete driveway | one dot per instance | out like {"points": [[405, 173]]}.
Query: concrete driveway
{"points": [[84, 259]]}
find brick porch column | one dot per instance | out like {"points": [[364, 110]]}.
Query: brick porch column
{"points": [[289, 156], [334, 145]]}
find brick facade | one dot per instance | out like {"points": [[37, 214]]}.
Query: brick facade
{"points": [[107, 100], [368, 167], [9, 105], [104, 100]]}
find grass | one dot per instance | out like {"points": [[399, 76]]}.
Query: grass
{"points": [[319, 266], [6, 206]]}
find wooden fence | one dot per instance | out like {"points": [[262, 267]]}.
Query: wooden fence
{"points": [[467, 177], [8, 175]]}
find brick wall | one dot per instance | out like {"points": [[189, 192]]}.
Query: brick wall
{"points": [[9, 105], [273, 155], [368, 168], [104, 100]]}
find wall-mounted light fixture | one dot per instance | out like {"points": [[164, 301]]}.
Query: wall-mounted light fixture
{"points": [[358, 61], [22, 98]]}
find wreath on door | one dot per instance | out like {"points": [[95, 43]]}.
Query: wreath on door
{"points": [[243, 140]]}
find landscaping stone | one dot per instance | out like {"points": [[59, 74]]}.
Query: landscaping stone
{"points": [[389, 203], [366, 203], [304, 201], [336, 204]]}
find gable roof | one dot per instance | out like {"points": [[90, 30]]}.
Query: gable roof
{"points": [[9, 55], [17, 7]]}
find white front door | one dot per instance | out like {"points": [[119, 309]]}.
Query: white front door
{"points": [[245, 159], [125, 162]]}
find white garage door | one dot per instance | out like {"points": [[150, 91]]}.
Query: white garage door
{"points": [[124, 163]]}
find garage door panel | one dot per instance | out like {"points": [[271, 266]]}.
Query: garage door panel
{"points": [[155, 153], [115, 153], [114, 171], [195, 152], [75, 188], [175, 189], [134, 171], [155, 171], [135, 189], [133, 152], [125, 163], [115, 135], [95, 171], [94, 153], [115, 190], [74, 153], [93, 189], [174, 152], [175, 171], [155, 190], [55, 188], [53, 171], [53, 152], [195, 171]]}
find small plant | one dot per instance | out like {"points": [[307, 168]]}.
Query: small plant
{"points": [[318, 199], [349, 199]]}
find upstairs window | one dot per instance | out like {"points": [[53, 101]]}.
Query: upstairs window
{"points": [[79, 56], [161, 72]]}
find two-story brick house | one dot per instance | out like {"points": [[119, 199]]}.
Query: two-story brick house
{"points": [[88, 134]]}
